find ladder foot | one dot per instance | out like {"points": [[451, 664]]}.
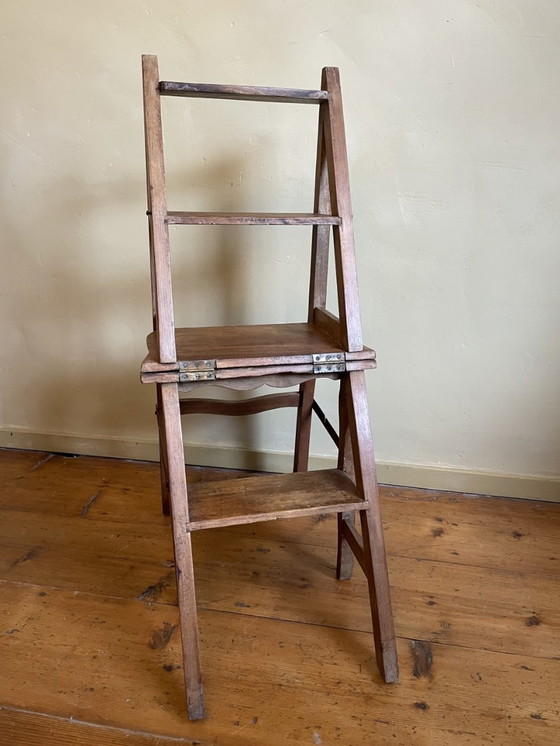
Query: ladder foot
{"points": [[388, 663], [195, 706]]}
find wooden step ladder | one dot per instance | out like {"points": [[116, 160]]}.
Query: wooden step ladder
{"points": [[278, 355]]}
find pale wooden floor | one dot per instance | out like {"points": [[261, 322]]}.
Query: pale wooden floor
{"points": [[89, 651]]}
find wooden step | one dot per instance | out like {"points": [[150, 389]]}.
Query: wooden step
{"points": [[249, 345], [246, 218], [232, 350], [266, 498], [242, 92]]}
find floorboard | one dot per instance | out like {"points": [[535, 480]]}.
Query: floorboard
{"points": [[23, 728], [90, 651]]}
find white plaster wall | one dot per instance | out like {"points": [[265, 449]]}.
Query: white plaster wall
{"points": [[453, 123]]}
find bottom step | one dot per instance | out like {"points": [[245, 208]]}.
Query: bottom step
{"points": [[271, 496]]}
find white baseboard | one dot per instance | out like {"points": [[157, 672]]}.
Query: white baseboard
{"points": [[402, 474]]}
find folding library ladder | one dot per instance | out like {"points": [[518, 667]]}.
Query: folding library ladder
{"points": [[278, 355]]}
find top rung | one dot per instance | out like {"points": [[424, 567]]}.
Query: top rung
{"points": [[242, 92]]}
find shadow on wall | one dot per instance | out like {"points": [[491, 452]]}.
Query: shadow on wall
{"points": [[79, 326]]}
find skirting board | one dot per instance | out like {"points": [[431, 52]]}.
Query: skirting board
{"points": [[401, 474]]}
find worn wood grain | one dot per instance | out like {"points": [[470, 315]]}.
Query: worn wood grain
{"points": [[160, 258], [320, 238], [492, 631], [303, 425], [17, 464], [254, 405], [327, 321], [373, 540], [465, 530], [275, 380], [59, 486], [256, 575], [346, 552], [175, 217], [245, 344], [248, 383], [302, 679], [343, 235], [163, 459], [504, 534], [242, 92], [182, 544], [22, 728], [318, 278], [247, 351], [269, 497]]}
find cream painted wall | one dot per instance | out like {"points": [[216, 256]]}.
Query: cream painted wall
{"points": [[453, 123]]}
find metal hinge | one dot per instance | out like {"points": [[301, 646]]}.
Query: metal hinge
{"points": [[197, 370], [329, 362]]}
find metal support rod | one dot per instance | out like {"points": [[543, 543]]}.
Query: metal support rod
{"points": [[324, 421]]}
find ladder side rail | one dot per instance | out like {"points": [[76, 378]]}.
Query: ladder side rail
{"points": [[317, 292], [345, 553], [321, 233], [343, 235], [160, 255], [354, 387]]}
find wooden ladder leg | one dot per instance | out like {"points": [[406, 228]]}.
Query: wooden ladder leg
{"points": [[303, 426], [372, 528], [183, 549], [317, 293], [344, 555], [163, 466]]}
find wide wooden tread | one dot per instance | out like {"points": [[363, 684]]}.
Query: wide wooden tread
{"points": [[231, 349], [245, 218], [268, 497], [242, 92]]}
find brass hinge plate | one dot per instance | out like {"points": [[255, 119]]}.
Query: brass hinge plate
{"points": [[329, 362], [197, 370], [198, 375]]}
